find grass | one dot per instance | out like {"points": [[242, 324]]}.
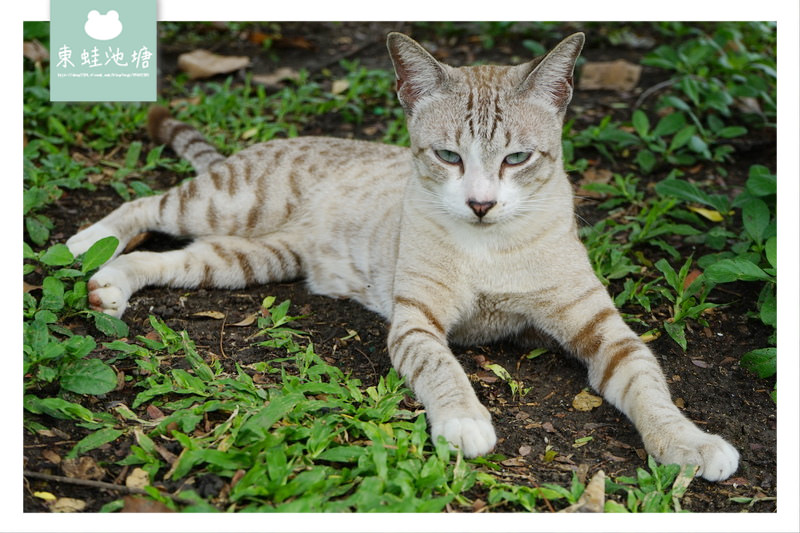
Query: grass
{"points": [[308, 437]]}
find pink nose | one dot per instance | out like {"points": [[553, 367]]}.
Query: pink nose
{"points": [[480, 208]]}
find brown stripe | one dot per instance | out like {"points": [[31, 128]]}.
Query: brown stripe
{"points": [[282, 265], [561, 312], [216, 177], [618, 351], [399, 340], [424, 309], [194, 140], [162, 204], [246, 266], [293, 185], [233, 181], [207, 151], [221, 252], [587, 341], [208, 276], [212, 216], [181, 127]]}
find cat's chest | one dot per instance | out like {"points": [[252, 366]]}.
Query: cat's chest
{"points": [[491, 316]]}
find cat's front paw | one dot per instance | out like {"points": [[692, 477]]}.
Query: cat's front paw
{"points": [[474, 436], [84, 239], [109, 291], [717, 460]]}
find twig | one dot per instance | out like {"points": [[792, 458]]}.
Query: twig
{"points": [[654, 88], [99, 485]]}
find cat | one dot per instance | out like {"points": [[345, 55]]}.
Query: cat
{"points": [[468, 236]]}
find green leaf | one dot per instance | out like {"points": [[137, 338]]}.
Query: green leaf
{"points": [[676, 331], [260, 423], [762, 361], [728, 270], [52, 294], [755, 218], [681, 138], [769, 308], [641, 123], [57, 408], [761, 182], [732, 131], [89, 376], [99, 253], [94, 440], [669, 124], [771, 251], [38, 230], [57, 255], [646, 160], [109, 325]]}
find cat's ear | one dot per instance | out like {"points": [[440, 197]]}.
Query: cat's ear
{"points": [[551, 77], [417, 72]]}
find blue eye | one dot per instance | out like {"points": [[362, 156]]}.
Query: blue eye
{"points": [[517, 158], [448, 157]]}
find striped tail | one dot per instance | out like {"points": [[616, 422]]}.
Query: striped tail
{"points": [[184, 139]]}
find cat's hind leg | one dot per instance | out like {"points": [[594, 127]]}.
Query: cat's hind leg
{"points": [[215, 261]]}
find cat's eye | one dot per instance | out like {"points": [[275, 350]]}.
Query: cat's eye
{"points": [[448, 157], [517, 158]]}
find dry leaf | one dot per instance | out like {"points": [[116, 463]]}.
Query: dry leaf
{"points": [[585, 401], [216, 315], [51, 456], [514, 461], [204, 64], [246, 321], [154, 412], [82, 468], [650, 336], [274, 79], [46, 496], [35, 51], [619, 75], [340, 86], [594, 175], [135, 504], [593, 498], [700, 363], [67, 505], [27, 287], [690, 278], [524, 450], [138, 479]]}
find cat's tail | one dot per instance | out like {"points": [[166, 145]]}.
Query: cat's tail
{"points": [[185, 140]]}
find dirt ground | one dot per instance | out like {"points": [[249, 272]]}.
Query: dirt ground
{"points": [[706, 380]]}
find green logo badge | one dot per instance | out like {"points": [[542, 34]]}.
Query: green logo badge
{"points": [[103, 50]]}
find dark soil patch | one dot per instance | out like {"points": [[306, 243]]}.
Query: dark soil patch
{"points": [[706, 380]]}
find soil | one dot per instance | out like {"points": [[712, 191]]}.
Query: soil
{"points": [[706, 380]]}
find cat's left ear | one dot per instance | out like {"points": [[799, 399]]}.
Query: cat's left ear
{"points": [[551, 77], [418, 73]]}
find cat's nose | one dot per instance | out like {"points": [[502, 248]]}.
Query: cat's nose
{"points": [[480, 208]]}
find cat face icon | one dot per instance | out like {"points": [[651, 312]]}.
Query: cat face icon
{"points": [[103, 27]]}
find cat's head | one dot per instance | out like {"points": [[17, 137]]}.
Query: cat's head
{"points": [[486, 138]]}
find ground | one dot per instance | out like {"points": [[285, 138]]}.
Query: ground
{"points": [[706, 380]]}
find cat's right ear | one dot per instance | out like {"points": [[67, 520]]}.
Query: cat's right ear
{"points": [[417, 72]]}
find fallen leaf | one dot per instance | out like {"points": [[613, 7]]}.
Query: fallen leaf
{"points": [[46, 496], [585, 401], [340, 86], [35, 51], [154, 412], [650, 336], [246, 321], [594, 175], [690, 278], [51, 456], [135, 504], [478, 505], [710, 214], [83, 467], [216, 315], [593, 498], [204, 64], [274, 79], [700, 363], [548, 427], [67, 505], [524, 450], [680, 403], [138, 479], [137, 241], [514, 461], [619, 75]]}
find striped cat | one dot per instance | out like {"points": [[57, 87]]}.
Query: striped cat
{"points": [[467, 237]]}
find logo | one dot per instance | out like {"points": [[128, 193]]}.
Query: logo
{"points": [[103, 27], [103, 50]]}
